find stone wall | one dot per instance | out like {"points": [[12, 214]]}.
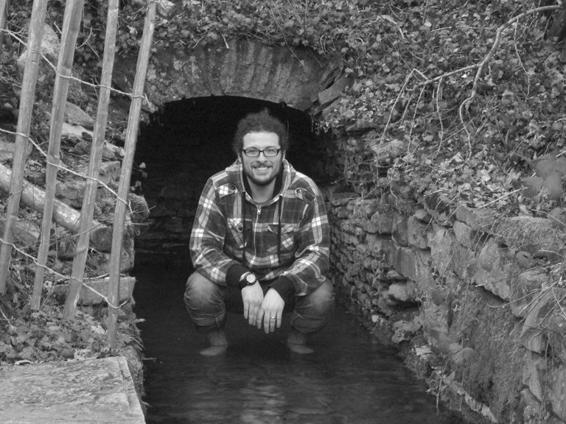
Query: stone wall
{"points": [[475, 300]]}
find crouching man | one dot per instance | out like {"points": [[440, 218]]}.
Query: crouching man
{"points": [[260, 240]]}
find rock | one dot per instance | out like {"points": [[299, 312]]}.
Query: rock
{"points": [[496, 270], [7, 149], [75, 133], [383, 222], [403, 292], [26, 233], [531, 234], [527, 285], [417, 233], [399, 230], [74, 115], [463, 234], [49, 47], [139, 208], [386, 152], [405, 330], [477, 219], [533, 370], [557, 391], [462, 355], [333, 92], [411, 264]]}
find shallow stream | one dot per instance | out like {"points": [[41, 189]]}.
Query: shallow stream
{"points": [[349, 379]]}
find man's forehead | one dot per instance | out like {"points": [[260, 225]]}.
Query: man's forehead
{"points": [[261, 137]]}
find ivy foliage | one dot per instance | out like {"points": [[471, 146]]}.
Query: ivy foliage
{"points": [[471, 95]]}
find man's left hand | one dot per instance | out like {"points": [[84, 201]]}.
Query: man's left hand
{"points": [[271, 311]]}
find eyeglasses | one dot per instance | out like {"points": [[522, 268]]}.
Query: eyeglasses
{"points": [[268, 152]]}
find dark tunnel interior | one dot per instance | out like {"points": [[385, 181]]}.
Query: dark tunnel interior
{"points": [[187, 141]]}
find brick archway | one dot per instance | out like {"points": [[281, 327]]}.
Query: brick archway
{"points": [[233, 68]]}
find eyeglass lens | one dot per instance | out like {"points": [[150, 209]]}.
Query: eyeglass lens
{"points": [[267, 152]]}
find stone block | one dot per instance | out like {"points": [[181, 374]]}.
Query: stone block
{"points": [[477, 219], [527, 285], [496, 270], [441, 243], [90, 390], [532, 335], [400, 230], [417, 233], [364, 208], [557, 391], [25, 233], [74, 115], [414, 265], [532, 234], [405, 330], [533, 370], [463, 234], [334, 91], [403, 292], [383, 222]]}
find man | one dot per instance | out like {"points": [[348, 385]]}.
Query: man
{"points": [[261, 239]]}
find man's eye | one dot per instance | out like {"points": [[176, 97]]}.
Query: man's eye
{"points": [[252, 151], [271, 151]]}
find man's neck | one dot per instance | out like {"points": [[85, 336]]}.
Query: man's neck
{"points": [[260, 193]]}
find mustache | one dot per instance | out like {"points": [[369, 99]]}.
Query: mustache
{"points": [[258, 163]]}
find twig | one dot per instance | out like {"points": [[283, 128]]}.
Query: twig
{"points": [[407, 79], [500, 198], [438, 95]]}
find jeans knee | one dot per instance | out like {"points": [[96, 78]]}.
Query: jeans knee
{"points": [[322, 299], [313, 311], [200, 292]]}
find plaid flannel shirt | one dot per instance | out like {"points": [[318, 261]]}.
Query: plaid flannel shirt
{"points": [[218, 240]]}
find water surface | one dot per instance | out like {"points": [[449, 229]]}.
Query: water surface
{"points": [[350, 379]]}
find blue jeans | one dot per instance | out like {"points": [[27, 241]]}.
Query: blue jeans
{"points": [[207, 304]]}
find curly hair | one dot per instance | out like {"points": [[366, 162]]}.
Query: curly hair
{"points": [[257, 122]]}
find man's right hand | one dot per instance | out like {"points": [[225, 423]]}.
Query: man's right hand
{"points": [[252, 298]]}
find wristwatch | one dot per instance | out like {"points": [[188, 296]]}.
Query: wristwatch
{"points": [[247, 279]]}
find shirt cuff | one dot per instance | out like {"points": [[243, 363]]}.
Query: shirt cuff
{"points": [[284, 286], [234, 274]]}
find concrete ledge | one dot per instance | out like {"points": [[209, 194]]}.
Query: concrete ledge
{"points": [[91, 391]]}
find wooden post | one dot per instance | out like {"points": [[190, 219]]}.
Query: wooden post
{"points": [[4, 4], [89, 199], [27, 99], [71, 27], [124, 187]]}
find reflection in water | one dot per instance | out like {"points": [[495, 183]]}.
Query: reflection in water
{"points": [[349, 378]]}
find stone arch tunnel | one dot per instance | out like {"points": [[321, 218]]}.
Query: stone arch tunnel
{"points": [[197, 100]]}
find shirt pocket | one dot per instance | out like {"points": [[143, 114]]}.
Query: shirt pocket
{"points": [[288, 234], [236, 232]]}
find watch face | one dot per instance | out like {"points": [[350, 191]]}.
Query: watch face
{"points": [[250, 279]]}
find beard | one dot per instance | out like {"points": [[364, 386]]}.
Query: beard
{"points": [[261, 181]]}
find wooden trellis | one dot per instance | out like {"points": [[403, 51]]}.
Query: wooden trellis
{"points": [[71, 25]]}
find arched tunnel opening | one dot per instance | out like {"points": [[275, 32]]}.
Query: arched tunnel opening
{"points": [[186, 142]]}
